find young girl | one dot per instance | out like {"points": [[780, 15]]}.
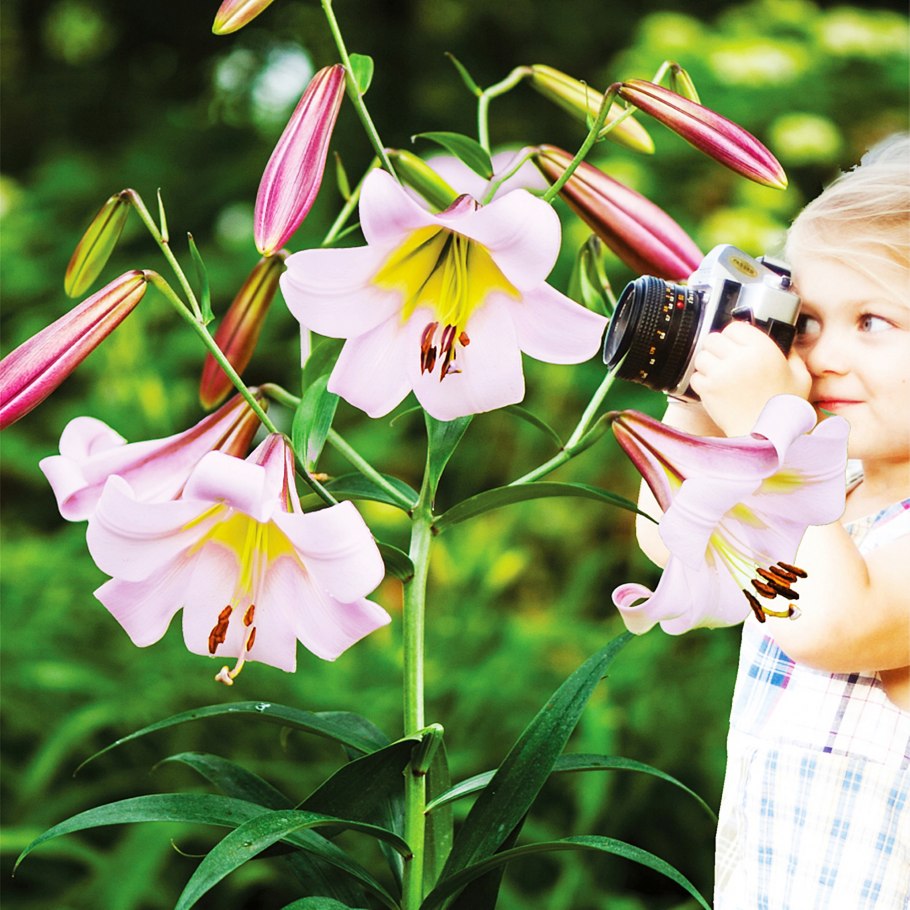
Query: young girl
{"points": [[816, 803]]}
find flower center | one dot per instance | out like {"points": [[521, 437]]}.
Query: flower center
{"points": [[450, 275], [770, 581], [254, 544]]}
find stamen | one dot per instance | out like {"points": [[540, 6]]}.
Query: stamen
{"points": [[784, 591], [226, 675], [772, 579], [783, 574], [219, 631], [248, 616]]}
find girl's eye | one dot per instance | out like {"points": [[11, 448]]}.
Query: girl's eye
{"points": [[807, 326], [870, 323]]}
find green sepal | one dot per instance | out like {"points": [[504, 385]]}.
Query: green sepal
{"points": [[467, 150], [569, 763], [443, 437], [466, 77], [253, 836], [524, 414], [351, 730], [397, 563], [362, 70], [506, 799], [587, 843], [521, 492], [205, 291]]}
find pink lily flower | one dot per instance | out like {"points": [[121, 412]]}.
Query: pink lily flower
{"points": [[294, 172], [456, 173], [735, 511], [155, 469], [37, 367], [252, 572], [441, 304]]}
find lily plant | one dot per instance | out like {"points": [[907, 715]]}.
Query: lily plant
{"points": [[454, 284]]}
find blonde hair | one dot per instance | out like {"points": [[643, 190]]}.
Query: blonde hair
{"points": [[863, 217]]}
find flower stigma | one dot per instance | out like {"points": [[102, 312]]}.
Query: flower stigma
{"points": [[449, 274]]}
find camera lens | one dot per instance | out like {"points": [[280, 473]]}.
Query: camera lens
{"points": [[652, 332]]}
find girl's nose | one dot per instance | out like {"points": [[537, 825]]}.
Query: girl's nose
{"points": [[827, 354]]}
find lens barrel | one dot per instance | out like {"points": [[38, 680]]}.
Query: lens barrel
{"points": [[652, 333]]}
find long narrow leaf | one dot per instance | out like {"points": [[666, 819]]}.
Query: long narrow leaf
{"points": [[585, 843], [577, 762], [513, 788], [504, 496], [207, 809], [443, 437], [348, 729], [356, 486], [232, 779], [255, 835]]}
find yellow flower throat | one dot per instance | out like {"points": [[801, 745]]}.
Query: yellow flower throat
{"points": [[448, 273]]}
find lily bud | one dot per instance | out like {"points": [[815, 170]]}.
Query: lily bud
{"points": [[583, 103], [724, 141], [417, 174], [294, 173], [97, 243], [641, 233], [234, 14], [33, 370], [239, 330]]}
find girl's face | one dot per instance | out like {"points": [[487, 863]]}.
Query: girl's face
{"points": [[854, 336]]}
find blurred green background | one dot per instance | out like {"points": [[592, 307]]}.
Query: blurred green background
{"points": [[99, 95]]}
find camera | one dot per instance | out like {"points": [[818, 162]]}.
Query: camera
{"points": [[658, 327]]}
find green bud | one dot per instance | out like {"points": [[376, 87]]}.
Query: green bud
{"points": [[418, 175], [583, 103], [97, 243]]}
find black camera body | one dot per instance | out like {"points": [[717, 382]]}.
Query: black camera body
{"points": [[658, 327]]}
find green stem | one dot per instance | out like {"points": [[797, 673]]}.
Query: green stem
{"points": [[354, 92], [572, 447], [233, 375], [520, 162], [413, 621], [165, 247], [488, 94]]}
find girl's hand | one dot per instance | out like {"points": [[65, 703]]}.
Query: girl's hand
{"points": [[738, 370]]}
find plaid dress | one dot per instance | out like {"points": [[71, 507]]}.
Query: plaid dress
{"points": [[815, 813]]}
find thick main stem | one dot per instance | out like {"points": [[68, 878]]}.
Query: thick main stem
{"points": [[414, 718]]}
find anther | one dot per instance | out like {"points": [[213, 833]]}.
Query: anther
{"points": [[784, 590], [756, 606], [795, 570], [248, 616], [783, 575], [219, 631], [763, 589], [463, 339], [773, 579]]}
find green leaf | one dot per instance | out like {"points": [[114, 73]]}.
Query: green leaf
{"points": [[321, 360], [362, 71], [439, 825], [515, 785], [466, 77], [482, 893], [397, 563], [348, 729], [535, 421], [232, 779], [356, 486], [443, 437], [587, 843], [466, 149], [318, 903], [259, 833], [566, 763], [313, 420], [341, 178], [521, 492], [317, 867], [205, 291]]}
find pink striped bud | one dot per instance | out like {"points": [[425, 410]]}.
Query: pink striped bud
{"points": [[294, 173], [33, 370], [239, 330], [724, 141], [97, 243], [641, 233], [583, 103], [234, 14]]}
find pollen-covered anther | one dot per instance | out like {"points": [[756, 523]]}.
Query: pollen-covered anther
{"points": [[794, 570], [248, 616], [427, 348], [764, 589], [219, 631], [756, 606]]}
